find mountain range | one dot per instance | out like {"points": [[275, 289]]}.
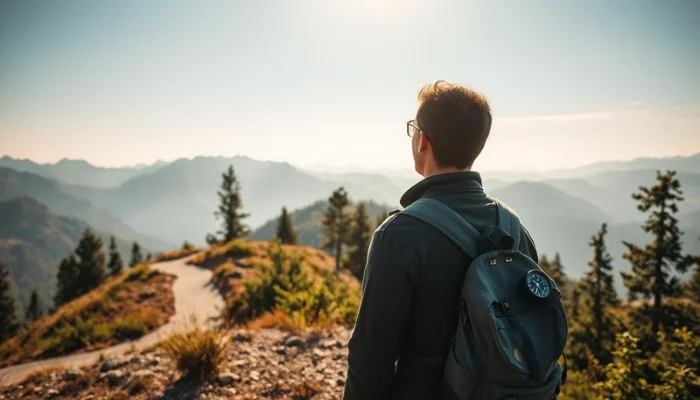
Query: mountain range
{"points": [[163, 204]]}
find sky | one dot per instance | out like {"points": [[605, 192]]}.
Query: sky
{"points": [[333, 82]]}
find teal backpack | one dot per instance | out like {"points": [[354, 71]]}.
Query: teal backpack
{"points": [[512, 324]]}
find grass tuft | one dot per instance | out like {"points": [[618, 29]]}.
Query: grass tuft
{"points": [[198, 354]]}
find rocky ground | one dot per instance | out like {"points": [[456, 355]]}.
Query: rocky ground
{"points": [[264, 364]]}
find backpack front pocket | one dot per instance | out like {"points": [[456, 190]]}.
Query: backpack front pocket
{"points": [[530, 341]]}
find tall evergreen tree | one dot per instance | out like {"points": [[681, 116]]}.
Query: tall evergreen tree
{"points": [[651, 264], [555, 269], [91, 264], [115, 264], [336, 224], [83, 270], [8, 308], [285, 228], [230, 204], [35, 310], [600, 297], [136, 256], [358, 240], [66, 282]]}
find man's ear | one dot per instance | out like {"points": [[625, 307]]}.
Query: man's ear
{"points": [[423, 143]]}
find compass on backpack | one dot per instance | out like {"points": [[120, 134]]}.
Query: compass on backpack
{"points": [[537, 284]]}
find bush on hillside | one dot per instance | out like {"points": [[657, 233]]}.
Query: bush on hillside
{"points": [[198, 354], [285, 287], [141, 272], [233, 249]]}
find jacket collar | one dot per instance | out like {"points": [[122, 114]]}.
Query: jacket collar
{"points": [[451, 182]]}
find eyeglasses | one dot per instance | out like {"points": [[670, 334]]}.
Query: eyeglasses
{"points": [[412, 128]]}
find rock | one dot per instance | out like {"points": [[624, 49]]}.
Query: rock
{"points": [[280, 350], [89, 397], [72, 374], [147, 294], [319, 353], [293, 341], [329, 343], [37, 391], [241, 336], [139, 375], [226, 379], [112, 363], [51, 393], [340, 382], [114, 376], [135, 360], [254, 375]]}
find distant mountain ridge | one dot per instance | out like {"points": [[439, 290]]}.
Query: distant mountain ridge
{"points": [[49, 192], [79, 172]]}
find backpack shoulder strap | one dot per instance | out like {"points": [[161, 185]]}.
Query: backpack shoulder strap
{"points": [[447, 221], [508, 221]]}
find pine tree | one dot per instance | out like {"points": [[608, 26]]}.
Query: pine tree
{"points": [[555, 270], [115, 264], [136, 256], [285, 229], [336, 224], [8, 308], [91, 263], [600, 297], [651, 264], [229, 209], [359, 238], [67, 277], [35, 310]]}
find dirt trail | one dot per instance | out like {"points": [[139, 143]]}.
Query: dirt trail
{"points": [[194, 296]]}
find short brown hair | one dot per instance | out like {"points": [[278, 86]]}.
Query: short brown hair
{"points": [[457, 120]]}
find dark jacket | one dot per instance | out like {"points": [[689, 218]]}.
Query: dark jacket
{"points": [[410, 293]]}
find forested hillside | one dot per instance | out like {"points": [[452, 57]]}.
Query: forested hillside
{"points": [[33, 241]]}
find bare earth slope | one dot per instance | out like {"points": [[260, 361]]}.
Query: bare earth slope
{"points": [[195, 299]]}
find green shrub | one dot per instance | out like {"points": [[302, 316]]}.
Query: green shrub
{"points": [[187, 246], [141, 272], [78, 335], [239, 249], [285, 286], [198, 354], [130, 327]]}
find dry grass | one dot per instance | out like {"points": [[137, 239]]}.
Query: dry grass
{"points": [[276, 319], [110, 314], [175, 254], [198, 354]]}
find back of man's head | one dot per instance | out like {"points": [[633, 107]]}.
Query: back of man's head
{"points": [[457, 120]]}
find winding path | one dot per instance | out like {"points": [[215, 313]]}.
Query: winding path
{"points": [[196, 300]]}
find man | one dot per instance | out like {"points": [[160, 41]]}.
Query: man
{"points": [[414, 273]]}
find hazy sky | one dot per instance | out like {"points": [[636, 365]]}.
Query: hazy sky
{"points": [[334, 81]]}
